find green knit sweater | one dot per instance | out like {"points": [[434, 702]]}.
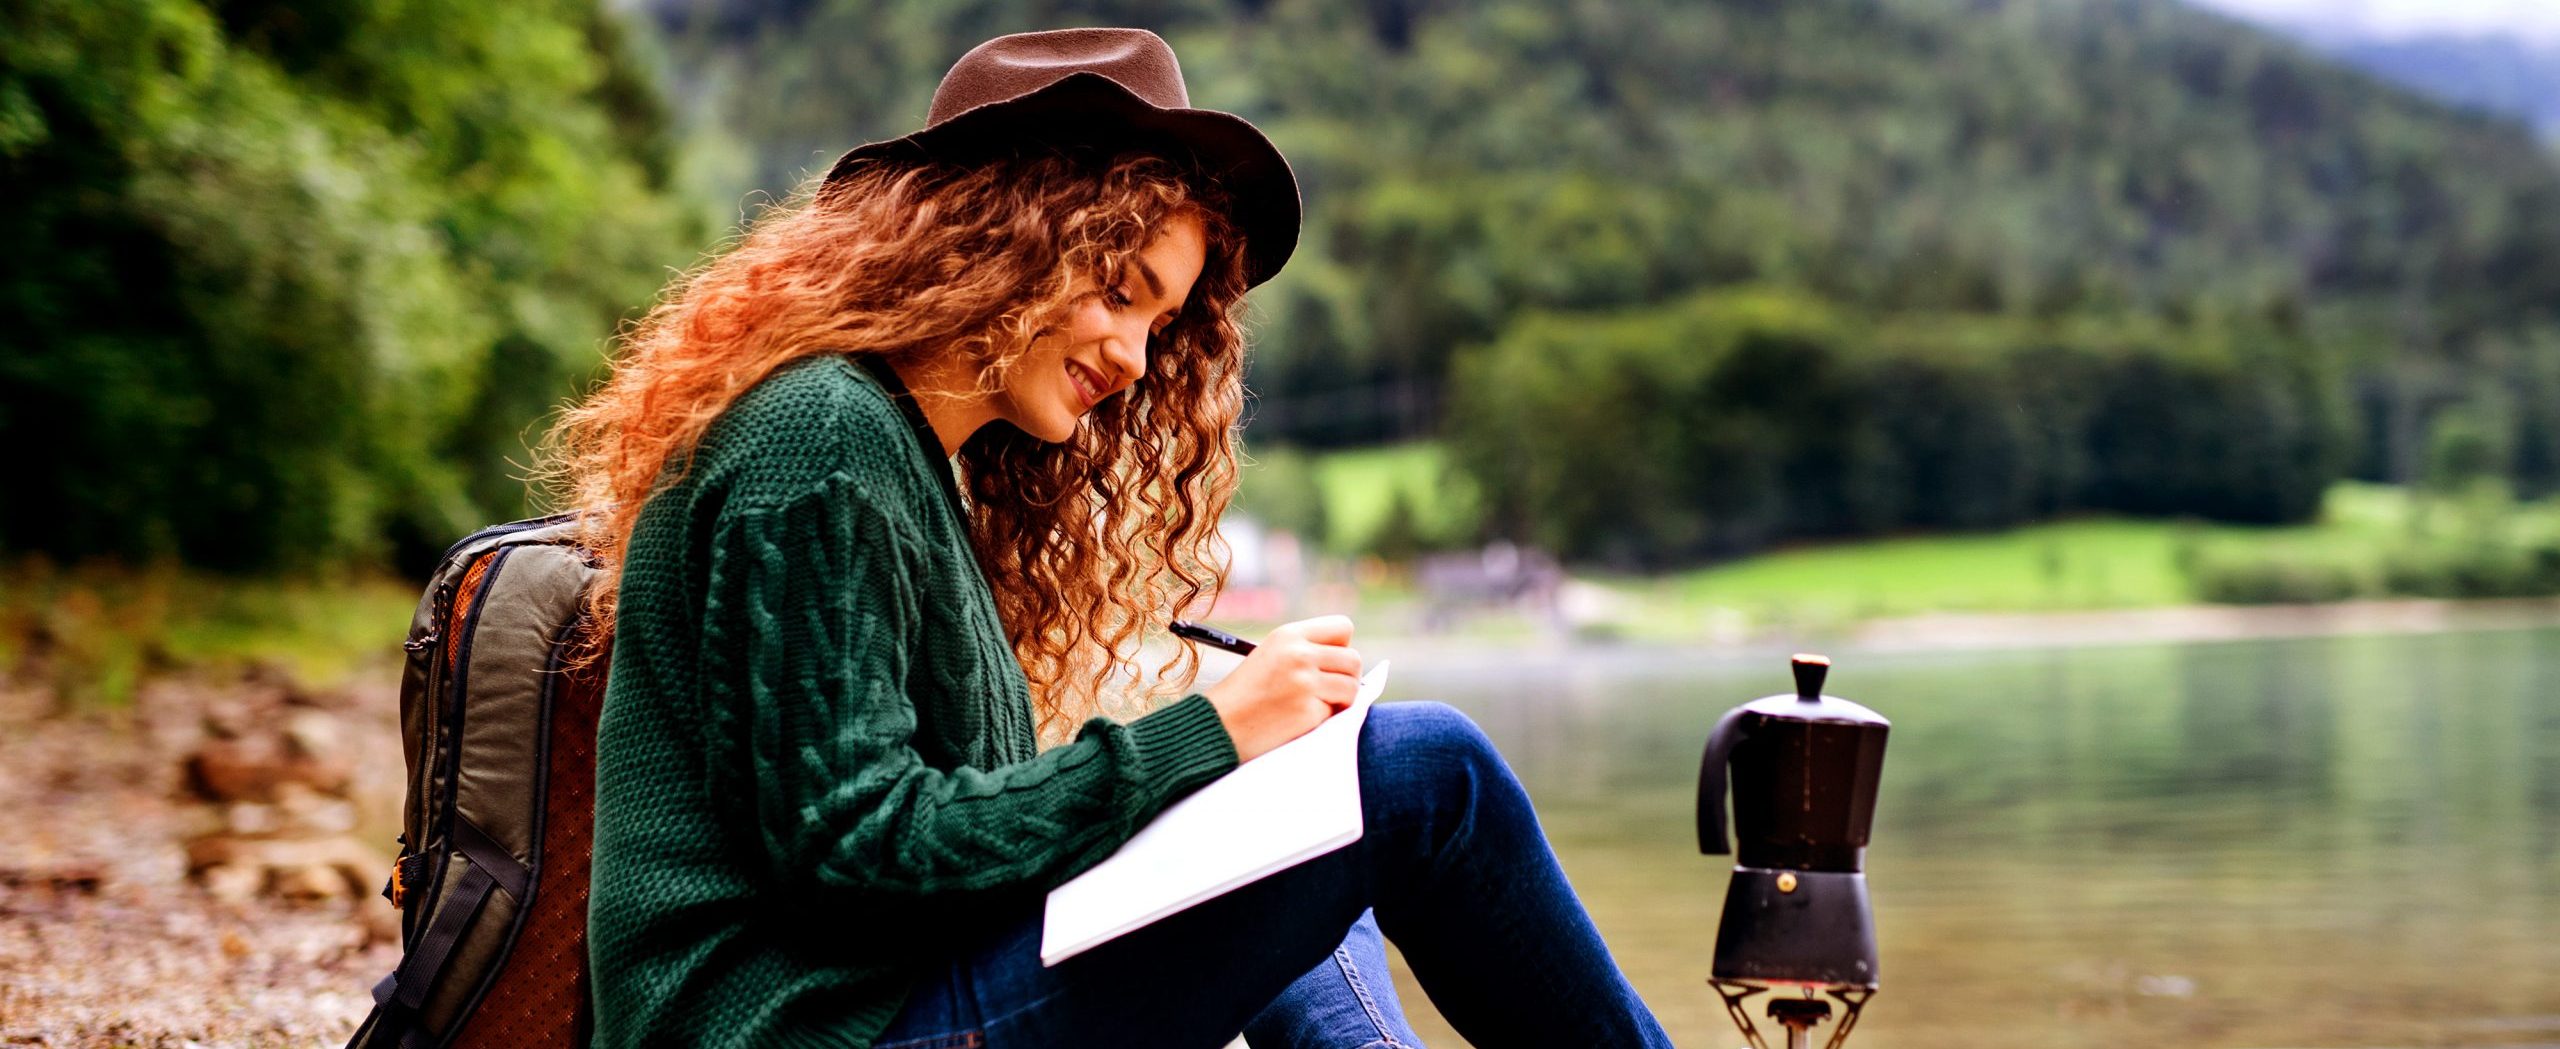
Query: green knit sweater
{"points": [[816, 772]]}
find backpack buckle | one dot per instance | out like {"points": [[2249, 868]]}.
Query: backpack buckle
{"points": [[397, 889]]}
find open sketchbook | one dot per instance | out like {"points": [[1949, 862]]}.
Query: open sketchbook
{"points": [[1295, 803]]}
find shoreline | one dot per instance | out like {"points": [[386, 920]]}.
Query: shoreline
{"points": [[1991, 631], [1952, 631]]}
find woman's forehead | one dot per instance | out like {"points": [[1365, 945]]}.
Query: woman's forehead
{"points": [[1176, 251]]}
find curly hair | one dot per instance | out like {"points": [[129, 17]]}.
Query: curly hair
{"points": [[1085, 542]]}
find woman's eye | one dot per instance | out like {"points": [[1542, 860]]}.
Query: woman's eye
{"points": [[1120, 299]]}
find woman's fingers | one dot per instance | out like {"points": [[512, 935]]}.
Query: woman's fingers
{"points": [[1265, 700], [1338, 659], [1323, 630], [1338, 690], [1328, 651]]}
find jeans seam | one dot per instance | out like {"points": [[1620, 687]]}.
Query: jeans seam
{"points": [[965, 1039], [1360, 990], [990, 1023]]}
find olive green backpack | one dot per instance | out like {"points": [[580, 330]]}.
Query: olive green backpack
{"points": [[492, 877]]}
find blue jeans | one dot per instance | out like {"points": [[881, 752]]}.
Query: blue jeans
{"points": [[1452, 864]]}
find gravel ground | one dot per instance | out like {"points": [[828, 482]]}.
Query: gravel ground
{"points": [[104, 941]]}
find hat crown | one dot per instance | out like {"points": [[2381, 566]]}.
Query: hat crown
{"points": [[1010, 67]]}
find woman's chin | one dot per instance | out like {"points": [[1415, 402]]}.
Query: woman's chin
{"points": [[1057, 430]]}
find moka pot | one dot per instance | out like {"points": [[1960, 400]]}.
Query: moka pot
{"points": [[1804, 769]]}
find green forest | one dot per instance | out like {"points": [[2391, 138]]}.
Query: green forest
{"points": [[1671, 281], [291, 284]]}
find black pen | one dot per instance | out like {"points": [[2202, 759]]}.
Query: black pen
{"points": [[1211, 636]]}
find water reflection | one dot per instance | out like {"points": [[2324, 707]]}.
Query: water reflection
{"points": [[2309, 842]]}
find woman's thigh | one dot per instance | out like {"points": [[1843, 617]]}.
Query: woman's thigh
{"points": [[1196, 978]]}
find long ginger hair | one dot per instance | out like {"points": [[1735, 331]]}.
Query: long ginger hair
{"points": [[1087, 542]]}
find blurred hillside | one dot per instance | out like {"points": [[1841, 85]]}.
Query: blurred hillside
{"points": [[2497, 57], [1668, 281], [2299, 271], [2492, 74]]}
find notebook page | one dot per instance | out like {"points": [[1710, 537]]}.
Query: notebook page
{"points": [[1292, 804]]}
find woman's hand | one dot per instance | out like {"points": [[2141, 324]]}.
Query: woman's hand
{"points": [[1300, 675]]}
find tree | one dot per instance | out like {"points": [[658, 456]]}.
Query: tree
{"points": [[289, 283]]}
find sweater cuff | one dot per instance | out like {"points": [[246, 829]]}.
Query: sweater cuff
{"points": [[1182, 746]]}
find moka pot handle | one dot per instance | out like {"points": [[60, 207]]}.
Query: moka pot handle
{"points": [[1730, 730]]}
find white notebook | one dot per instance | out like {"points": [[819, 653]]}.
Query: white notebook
{"points": [[1295, 803]]}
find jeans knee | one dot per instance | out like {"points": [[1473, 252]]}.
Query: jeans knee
{"points": [[1431, 784], [1425, 725], [1426, 745]]}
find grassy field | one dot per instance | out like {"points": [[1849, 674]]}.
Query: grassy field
{"points": [[1360, 488], [2096, 563], [2090, 563], [2078, 564], [2063, 566]]}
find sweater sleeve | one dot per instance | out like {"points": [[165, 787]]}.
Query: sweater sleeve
{"points": [[811, 612]]}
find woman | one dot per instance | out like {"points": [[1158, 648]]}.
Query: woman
{"points": [[822, 816]]}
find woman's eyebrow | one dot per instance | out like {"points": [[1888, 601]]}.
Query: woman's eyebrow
{"points": [[1155, 287]]}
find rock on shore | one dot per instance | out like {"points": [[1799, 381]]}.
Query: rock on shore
{"points": [[190, 871]]}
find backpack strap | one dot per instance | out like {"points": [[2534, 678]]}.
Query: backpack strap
{"points": [[420, 967], [399, 998]]}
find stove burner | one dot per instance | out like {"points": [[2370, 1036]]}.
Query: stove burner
{"points": [[1798, 1016]]}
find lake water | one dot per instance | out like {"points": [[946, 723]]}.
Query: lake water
{"points": [[2327, 842]]}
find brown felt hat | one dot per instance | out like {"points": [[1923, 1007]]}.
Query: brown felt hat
{"points": [[1107, 87]]}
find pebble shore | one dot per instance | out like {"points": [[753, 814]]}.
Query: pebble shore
{"points": [[109, 938]]}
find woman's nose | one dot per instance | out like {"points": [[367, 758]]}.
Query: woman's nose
{"points": [[1127, 356]]}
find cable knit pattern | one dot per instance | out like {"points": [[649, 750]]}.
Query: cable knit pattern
{"points": [[816, 767]]}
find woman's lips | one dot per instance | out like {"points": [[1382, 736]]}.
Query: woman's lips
{"points": [[1088, 385]]}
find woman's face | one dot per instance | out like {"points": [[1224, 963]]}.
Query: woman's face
{"points": [[1100, 348]]}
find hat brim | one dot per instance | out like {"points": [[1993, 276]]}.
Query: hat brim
{"points": [[1088, 108]]}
